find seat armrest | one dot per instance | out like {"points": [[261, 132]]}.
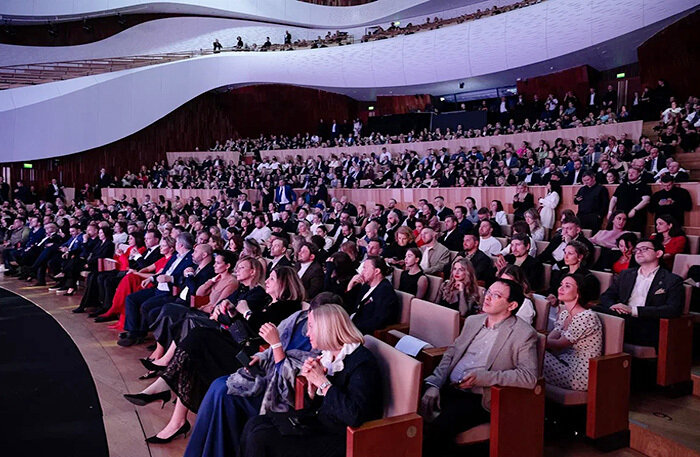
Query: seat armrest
{"points": [[675, 350], [176, 291], [381, 334], [400, 436], [300, 392], [430, 358], [608, 395], [198, 301], [510, 434], [106, 264]]}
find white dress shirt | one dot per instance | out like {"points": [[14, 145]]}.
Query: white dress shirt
{"points": [[642, 284]]}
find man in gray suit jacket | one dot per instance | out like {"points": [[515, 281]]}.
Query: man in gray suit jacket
{"points": [[494, 348]]}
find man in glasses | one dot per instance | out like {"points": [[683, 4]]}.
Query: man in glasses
{"points": [[644, 295], [494, 348]]}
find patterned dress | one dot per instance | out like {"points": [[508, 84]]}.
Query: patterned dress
{"points": [[569, 368]]}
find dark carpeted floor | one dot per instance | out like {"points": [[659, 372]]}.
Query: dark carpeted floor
{"points": [[48, 401]]}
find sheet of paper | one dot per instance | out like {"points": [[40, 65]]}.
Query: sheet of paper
{"points": [[411, 345]]}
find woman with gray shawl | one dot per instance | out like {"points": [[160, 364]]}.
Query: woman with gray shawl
{"points": [[232, 400]]}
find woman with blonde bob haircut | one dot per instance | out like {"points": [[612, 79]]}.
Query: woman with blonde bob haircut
{"points": [[345, 377]]}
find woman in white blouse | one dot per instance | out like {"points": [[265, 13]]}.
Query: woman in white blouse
{"points": [[549, 203], [497, 212]]}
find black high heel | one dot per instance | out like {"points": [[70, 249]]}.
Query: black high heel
{"points": [[144, 399], [149, 375], [150, 366], [184, 430]]}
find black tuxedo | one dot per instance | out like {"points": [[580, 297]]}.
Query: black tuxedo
{"points": [[442, 214], [312, 280], [283, 262], [146, 260], [196, 280], [483, 266], [380, 309], [532, 268], [453, 241], [664, 300]]}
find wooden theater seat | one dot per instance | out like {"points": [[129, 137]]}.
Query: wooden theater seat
{"points": [[433, 324], [542, 307], [434, 283], [604, 278], [517, 419], [675, 354], [405, 300], [607, 398], [400, 432], [106, 264]]}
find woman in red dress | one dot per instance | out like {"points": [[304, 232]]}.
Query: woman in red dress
{"points": [[672, 236]]}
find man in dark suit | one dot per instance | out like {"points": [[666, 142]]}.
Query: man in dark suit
{"points": [[35, 260], [519, 256], [374, 304], [570, 231], [243, 203], [172, 275], [494, 348], [108, 281], [441, 211], [103, 181], [347, 233], [284, 195], [531, 178], [309, 271], [575, 175], [452, 237], [4, 190], [278, 251], [592, 200], [483, 265], [644, 295]]}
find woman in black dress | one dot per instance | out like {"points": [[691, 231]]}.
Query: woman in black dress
{"points": [[413, 281], [395, 251], [208, 353]]}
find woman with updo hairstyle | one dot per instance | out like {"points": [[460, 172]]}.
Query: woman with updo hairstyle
{"points": [[344, 384], [576, 338], [461, 291], [574, 254]]}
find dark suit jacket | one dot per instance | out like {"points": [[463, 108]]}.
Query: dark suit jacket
{"points": [[177, 274], [246, 206], [102, 250], [146, 260], [532, 268], [193, 282], [312, 280], [546, 256], [283, 262], [378, 310], [444, 213], [664, 300], [453, 241]]}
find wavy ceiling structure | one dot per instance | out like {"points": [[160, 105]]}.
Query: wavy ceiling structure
{"points": [[65, 117]]}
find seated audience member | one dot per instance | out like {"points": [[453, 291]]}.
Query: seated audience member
{"points": [[435, 255], [532, 217], [461, 291], [484, 214], [497, 213], [672, 200], [520, 249], [441, 211], [549, 203], [576, 338], [413, 281], [488, 244], [374, 301], [625, 244], [233, 399], [251, 248], [102, 249], [35, 262], [278, 253], [521, 227], [346, 233], [463, 223], [452, 237], [523, 201], [644, 295], [208, 353], [608, 241], [570, 231], [350, 396], [482, 263], [136, 280], [395, 252], [574, 255], [671, 236], [527, 310], [176, 320], [339, 271], [141, 302], [310, 272], [457, 395]]}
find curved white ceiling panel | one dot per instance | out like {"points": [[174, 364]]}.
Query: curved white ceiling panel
{"points": [[70, 116]]}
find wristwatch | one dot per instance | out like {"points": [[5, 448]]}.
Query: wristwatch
{"points": [[323, 386]]}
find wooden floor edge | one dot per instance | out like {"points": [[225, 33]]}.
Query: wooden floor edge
{"points": [[652, 444]]}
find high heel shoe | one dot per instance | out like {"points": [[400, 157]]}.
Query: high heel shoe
{"points": [[144, 399], [184, 430], [150, 366], [149, 375], [70, 293]]}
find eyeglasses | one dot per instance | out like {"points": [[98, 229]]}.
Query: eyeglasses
{"points": [[642, 249], [488, 293]]}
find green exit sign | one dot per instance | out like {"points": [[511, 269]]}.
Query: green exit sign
{"points": [[620, 75], [28, 165]]}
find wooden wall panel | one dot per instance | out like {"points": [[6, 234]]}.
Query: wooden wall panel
{"points": [[579, 79], [401, 104], [672, 55]]}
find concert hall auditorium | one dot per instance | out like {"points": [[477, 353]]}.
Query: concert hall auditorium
{"points": [[350, 228]]}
